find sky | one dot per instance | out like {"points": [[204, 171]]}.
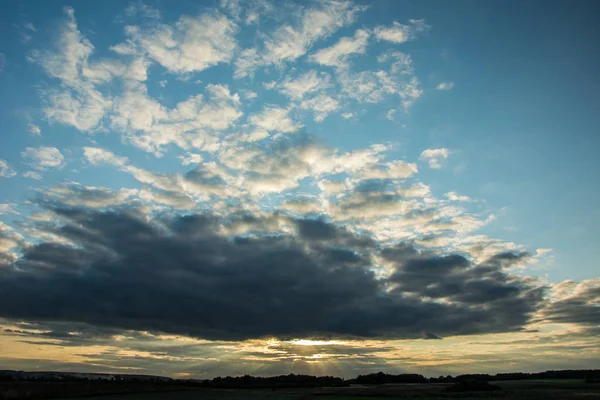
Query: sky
{"points": [[205, 188]]}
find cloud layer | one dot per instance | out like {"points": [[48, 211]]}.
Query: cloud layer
{"points": [[242, 276]]}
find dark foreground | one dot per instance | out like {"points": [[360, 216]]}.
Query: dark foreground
{"points": [[526, 390]]}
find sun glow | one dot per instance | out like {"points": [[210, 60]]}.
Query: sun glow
{"points": [[307, 342]]}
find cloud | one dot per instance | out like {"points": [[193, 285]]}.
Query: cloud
{"points": [[375, 86], [307, 83], [308, 92], [445, 86], [434, 157], [331, 187], [400, 33], [140, 9], [5, 170], [9, 240], [322, 105], [98, 156], [192, 44], [191, 123], [191, 158], [34, 129], [78, 102], [337, 55], [248, 11], [232, 288], [302, 206], [274, 119], [290, 42], [32, 175], [8, 209], [43, 158], [75, 194], [452, 196], [396, 169], [202, 182], [574, 303]]}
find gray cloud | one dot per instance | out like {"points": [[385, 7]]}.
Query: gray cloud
{"points": [[181, 275], [580, 306]]}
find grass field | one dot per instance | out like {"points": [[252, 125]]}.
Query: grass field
{"points": [[517, 390], [543, 389]]}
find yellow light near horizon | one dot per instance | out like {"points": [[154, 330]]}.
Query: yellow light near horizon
{"points": [[307, 342]]}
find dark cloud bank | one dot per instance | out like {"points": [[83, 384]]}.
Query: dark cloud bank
{"points": [[177, 274]]}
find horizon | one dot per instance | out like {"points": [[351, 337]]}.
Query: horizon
{"points": [[325, 187], [274, 376]]}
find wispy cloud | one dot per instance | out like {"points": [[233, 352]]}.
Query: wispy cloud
{"points": [[5, 170], [400, 33], [290, 42], [445, 86], [43, 158], [337, 55], [434, 157], [192, 44]]}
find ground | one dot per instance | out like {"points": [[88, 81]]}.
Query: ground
{"points": [[514, 390]]}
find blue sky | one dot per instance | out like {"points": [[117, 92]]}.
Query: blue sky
{"points": [[462, 127]]}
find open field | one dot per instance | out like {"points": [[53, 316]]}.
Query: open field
{"points": [[525, 390]]}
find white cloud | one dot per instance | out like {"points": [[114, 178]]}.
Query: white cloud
{"points": [[434, 157], [290, 42], [452, 196], [42, 158], [306, 83], [445, 86], [337, 55], [247, 61], [375, 86], [135, 110], [543, 252], [415, 190], [274, 119], [400, 33], [396, 169], [78, 102], [331, 187], [103, 70], [173, 199], [34, 129], [192, 122], [347, 115], [311, 83], [322, 105], [98, 156], [192, 44], [82, 110], [32, 175], [8, 209], [5, 170], [249, 94], [9, 239], [390, 115], [248, 11], [191, 158], [139, 9]]}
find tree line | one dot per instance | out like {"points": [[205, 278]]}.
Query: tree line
{"points": [[302, 381]]}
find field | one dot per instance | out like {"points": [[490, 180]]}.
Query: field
{"points": [[517, 390]]}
